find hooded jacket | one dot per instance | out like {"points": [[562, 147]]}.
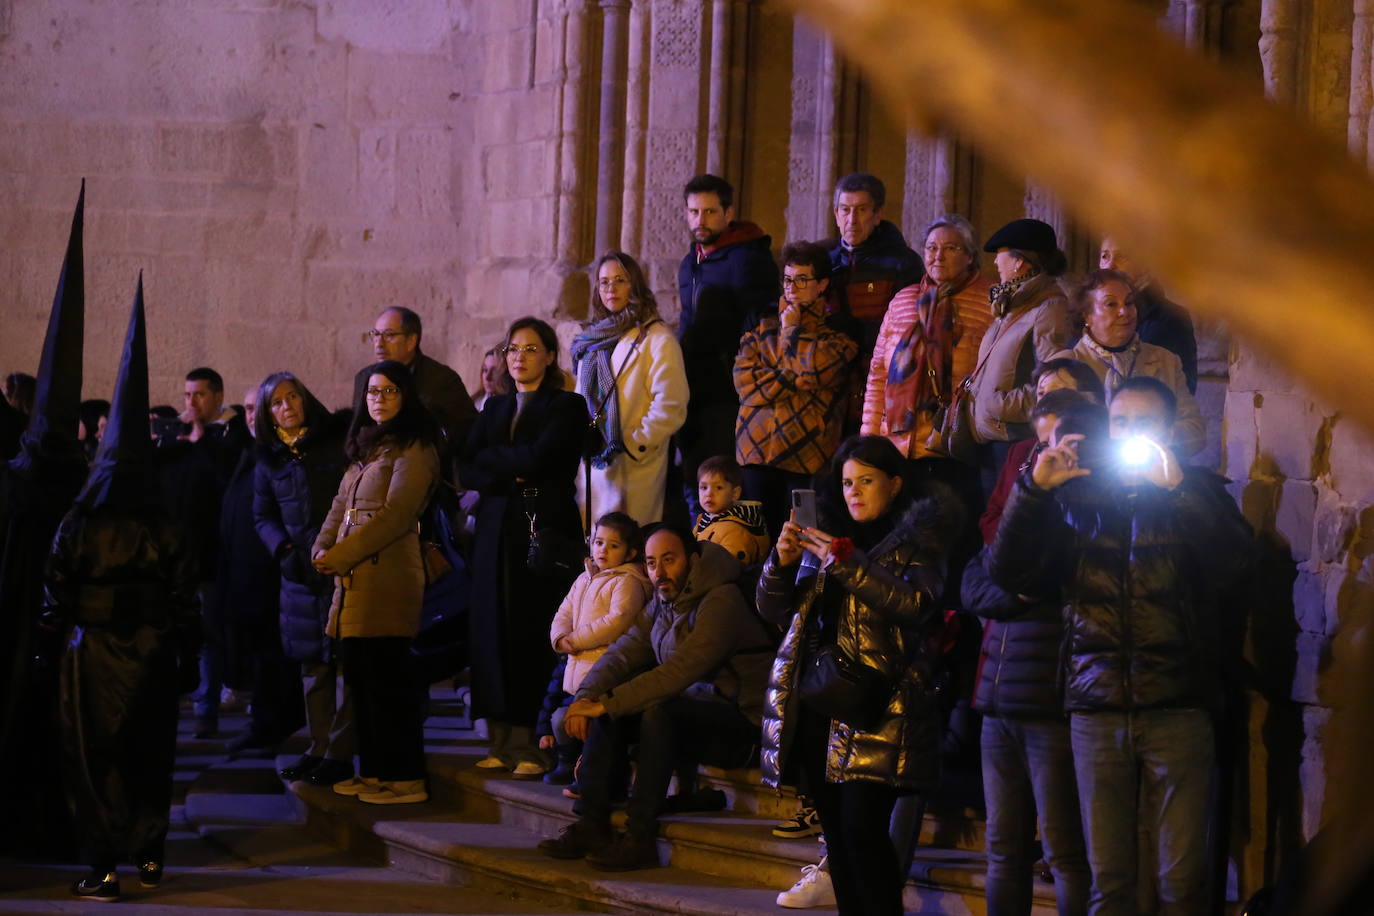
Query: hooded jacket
{"points": [[723, 292], [599, 608], [889, 599], [1141, 569], [705, 643], [740, 529], [1034, 328], [372, 536], [1018, 668], [291, 497]]}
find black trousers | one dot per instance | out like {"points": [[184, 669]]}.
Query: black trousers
{"points": [[680, 728], [773, 488], [389, 721], [855, 818]]}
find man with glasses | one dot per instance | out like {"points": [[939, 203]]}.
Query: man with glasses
{"points": [[726, 282], [395, 335]]}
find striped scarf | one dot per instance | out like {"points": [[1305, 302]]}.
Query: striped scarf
{"points": [[591, 352], [999, 294], [918, 372]]}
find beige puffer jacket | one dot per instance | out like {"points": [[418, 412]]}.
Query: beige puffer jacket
{"points": [[372, 534], [600, 606], [1035, 327], [888, 602]]}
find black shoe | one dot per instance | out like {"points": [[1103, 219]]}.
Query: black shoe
{"points": [[627, 853], [301, 768], [328, 772], [561, 775], [98, 886], [150, 873], [577, 840]]}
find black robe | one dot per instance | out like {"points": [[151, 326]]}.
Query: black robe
{"points": [[121, 586], [513, 607]]}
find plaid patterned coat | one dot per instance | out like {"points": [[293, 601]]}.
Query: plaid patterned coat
{"points": [[791, 395]]}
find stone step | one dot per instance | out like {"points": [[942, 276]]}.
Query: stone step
{"points": [[481, 828]]}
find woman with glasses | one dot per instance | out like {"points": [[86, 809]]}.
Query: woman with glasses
{"points": [[629, 368], [522, 458], [300, 462], [370, 543], [789, 375]]}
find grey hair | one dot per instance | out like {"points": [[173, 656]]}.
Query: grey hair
{"points": [[967, 235], [857, 182]]}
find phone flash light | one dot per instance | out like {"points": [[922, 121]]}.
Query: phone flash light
{"points": [[1136, 451]]}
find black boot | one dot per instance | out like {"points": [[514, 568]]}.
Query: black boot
{"points": [[630, 851], [577, 840], [565, 770], [98, 885]]}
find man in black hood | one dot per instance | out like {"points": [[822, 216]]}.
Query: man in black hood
{"points": [[120, 588], [36, 488]]}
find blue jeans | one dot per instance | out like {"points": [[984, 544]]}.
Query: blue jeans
{"points": [[1028, 771], [212, 649], [1151, 766]]}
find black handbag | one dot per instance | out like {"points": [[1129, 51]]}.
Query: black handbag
{"points": [[843, 688]]}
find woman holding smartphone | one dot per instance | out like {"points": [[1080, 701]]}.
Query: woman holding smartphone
{"points": [[857, 588], [370, 542]]}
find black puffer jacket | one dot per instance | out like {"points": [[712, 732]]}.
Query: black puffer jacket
{"points": [[888, 609], [1018, 671], [291, 497], [1140, 569]]}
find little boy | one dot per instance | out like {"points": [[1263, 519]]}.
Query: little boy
{"points": [[737, 525]]}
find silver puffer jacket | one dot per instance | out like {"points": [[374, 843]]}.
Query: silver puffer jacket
{"points": [[888, 605]]}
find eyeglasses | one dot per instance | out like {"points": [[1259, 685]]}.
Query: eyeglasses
{"points": [[384, 394], [387, 337], [797, 282], [933, 250], [612, 281], [527, 349]]}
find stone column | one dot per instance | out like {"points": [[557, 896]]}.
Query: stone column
{"points": [[811, 163], [610, 172], [938, 181], [1360, 135], [573, 154], [636, 125], [1199, 24], [718, 99], [1279, 48]]}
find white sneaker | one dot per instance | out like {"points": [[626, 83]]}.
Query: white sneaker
{"points": [[812, 889]]}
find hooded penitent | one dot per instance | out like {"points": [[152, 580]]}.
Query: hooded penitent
{"points": [[36, 488]]}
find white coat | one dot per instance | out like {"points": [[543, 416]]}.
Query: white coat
{"points": [[651, 391]]}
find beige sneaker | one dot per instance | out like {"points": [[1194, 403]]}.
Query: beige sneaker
{"points": [[398, 792], [357, 785]]}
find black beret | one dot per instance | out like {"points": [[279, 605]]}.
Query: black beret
{"points": [[1025, 234]]}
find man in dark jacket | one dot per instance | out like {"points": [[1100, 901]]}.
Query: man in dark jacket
{"points": [[395, 335], [1159, 321], [1144, 548], [688, 679], [726, 283]]}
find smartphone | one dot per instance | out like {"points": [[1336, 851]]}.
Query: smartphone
{"points": [[167, 428], [804, 508]]}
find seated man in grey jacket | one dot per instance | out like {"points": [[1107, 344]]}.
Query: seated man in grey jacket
{"points": [[688, 676]]}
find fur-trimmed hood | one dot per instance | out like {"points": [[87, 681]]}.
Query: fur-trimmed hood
{"points": [[932, 521]]}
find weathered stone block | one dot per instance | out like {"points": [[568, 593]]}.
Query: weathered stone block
{"points": [[1288, 426], [1252, 370], [192, 148], [422, 169], [376, 197], [508, 61], [1349, 600], [413, 90], [1312, 769], [1241, 435], [1313, 657], [1333, 526], [389, 25], [1293, 519], [1309, 601], [329, 171], [1352, 468]]}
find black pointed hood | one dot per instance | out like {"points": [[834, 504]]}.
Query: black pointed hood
{"points": [[51, 432], [124, 462]]}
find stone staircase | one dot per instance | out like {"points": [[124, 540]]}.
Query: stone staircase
{"points": [[479, 830]]}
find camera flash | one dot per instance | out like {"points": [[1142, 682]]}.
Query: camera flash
{"points": [[1136, 451]]}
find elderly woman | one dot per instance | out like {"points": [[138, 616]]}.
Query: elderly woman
{"points": [[300, 463], [928, 342], [370, 543], [521, 457], [858, 592], [1112, 348], [629, 368], [1031, 323]]}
